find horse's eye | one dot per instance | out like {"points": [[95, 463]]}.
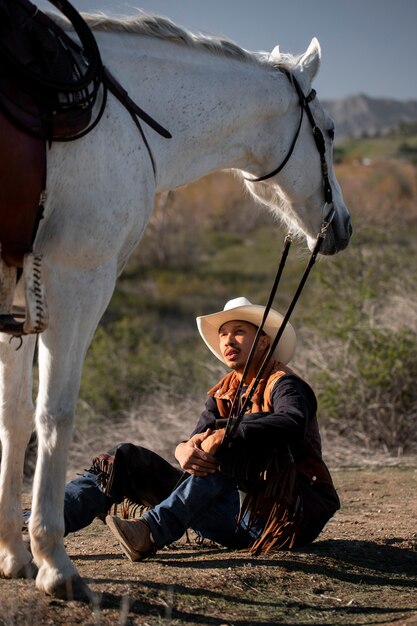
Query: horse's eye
{"points": [[330, 132]]}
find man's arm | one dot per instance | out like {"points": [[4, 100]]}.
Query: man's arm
{"points": [[197, 455], [208, 417], [294, 405]]}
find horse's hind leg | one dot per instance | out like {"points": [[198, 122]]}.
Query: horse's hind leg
{"points": [[16, 413]]}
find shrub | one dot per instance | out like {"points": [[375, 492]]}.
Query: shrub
{"points": [[126, 364], [367, 391]]}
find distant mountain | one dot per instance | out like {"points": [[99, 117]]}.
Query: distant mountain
{"points": [[358, 115]]}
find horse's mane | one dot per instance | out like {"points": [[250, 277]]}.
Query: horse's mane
{"points": [[163, 28]]}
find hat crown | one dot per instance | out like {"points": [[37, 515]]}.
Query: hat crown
{"points": [[237, 302]]}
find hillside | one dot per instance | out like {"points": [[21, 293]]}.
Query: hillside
{"points": [[360, 115]]}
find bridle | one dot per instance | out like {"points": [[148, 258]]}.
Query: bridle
{"points": [[304, 102], [238, 410]]}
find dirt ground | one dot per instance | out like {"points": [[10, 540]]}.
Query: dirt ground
{"points": [[362, 570]]}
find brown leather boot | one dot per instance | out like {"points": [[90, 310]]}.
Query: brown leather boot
{"points": [[134, 537]]}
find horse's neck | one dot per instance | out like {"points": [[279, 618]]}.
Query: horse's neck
{"points": [[209, 103]]}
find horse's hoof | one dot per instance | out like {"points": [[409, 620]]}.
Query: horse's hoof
{"points": [[73, 588], [12, 570]]}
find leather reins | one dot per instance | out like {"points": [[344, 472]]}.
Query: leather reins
{"points": [[234, 420], [236, 411]]}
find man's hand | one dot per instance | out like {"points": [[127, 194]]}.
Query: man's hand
{"points": [[193, 458], [212, 443]]}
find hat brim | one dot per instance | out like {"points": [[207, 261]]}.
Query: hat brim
{"points": [[208, 326]]}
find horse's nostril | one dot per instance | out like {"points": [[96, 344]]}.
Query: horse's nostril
{"points": [[348, 226]]}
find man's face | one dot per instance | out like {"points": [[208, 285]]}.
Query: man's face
{"points": [[236, 339]]}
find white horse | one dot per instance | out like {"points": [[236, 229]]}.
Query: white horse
{"points": [[225, 108]]}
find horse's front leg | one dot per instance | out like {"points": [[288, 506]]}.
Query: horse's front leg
{"points": [[77, 304], [16, 422]]}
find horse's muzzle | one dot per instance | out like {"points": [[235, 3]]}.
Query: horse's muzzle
{"points": [[338, 236]]}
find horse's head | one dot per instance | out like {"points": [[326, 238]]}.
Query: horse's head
{"points": [[295, 175]]}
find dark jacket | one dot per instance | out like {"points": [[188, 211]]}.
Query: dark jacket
{"points": [[281, 421]]}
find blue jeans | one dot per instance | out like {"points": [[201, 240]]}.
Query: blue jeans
{"points": [[84, 500], [209, 505]]}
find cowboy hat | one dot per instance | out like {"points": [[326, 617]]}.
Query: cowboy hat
{"points": [[243, 310]]}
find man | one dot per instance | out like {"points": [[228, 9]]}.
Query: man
{"points": [[262, 486], [274, 455]]}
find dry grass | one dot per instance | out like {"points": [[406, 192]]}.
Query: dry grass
{"points": [[398, 311], [159, 426]]}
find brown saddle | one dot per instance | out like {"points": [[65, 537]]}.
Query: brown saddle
{"points": [[22, 175], [48, 87]]}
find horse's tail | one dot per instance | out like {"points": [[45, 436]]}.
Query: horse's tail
{"points": [[32, 314]]}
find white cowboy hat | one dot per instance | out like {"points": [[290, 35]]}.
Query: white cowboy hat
{"points": [[243, 310]]}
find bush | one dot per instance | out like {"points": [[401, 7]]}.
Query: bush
{"points": [[408, 152], [367, 391], [126, 364]]}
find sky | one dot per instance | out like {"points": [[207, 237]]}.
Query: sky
{"points": [[368, 46]]}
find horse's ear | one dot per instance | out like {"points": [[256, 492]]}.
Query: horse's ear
{"points": [[309, 63], [275, 54]]}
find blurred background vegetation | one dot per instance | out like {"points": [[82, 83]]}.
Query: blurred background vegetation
{"points": [[147, 371]]}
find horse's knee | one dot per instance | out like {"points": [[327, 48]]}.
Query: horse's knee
{"points": [[50, 420]]}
